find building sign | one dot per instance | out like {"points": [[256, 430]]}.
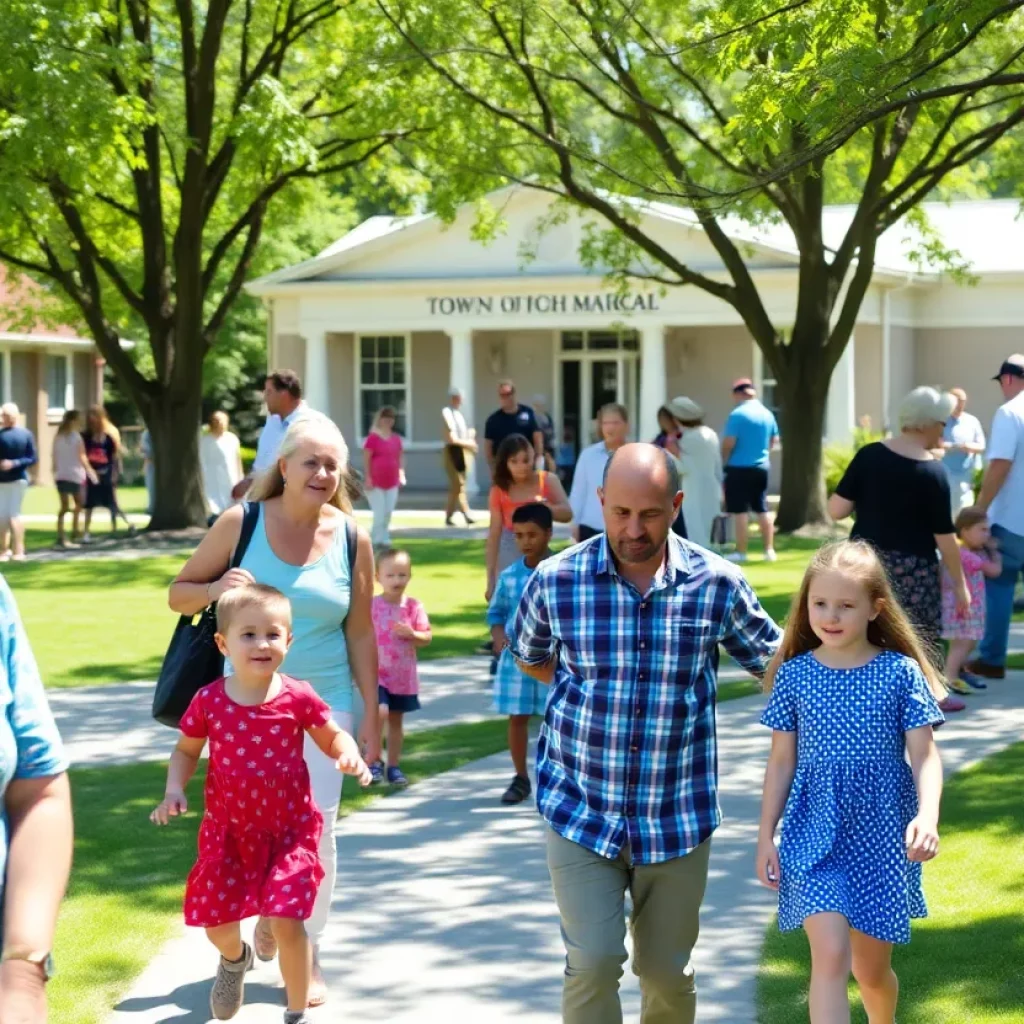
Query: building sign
{"points": [[466, 305]]}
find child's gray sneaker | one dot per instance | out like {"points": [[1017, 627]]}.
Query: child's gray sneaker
{"points": [[297, 1017], [228, 990]]}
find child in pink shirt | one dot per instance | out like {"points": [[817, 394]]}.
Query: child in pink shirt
{"points": [[980, 558], [401, 625]]}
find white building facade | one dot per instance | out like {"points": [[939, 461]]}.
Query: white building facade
{"points": [[401, 310]]}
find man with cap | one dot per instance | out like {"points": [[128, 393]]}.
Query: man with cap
{"points": [[1002, 495], [750, 434], [459, 447], [700, 463]]}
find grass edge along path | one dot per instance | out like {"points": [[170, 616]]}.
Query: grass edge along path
{"points": [[965, 961], [124, 900]]}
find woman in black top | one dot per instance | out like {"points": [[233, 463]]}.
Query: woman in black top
{"points": [[898, 493]]}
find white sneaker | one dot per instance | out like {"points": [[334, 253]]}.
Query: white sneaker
{"points": [[737, 556], [770, 556]]}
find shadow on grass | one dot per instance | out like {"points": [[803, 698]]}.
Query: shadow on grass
{"points": [[93, 574], [965, 962]]}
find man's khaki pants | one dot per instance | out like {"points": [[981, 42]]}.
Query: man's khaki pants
{"points": [[590, 892]]}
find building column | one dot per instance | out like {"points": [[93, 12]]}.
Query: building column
{"points": [[652, 380], [841, 415], [460, 375], [317, 372], [98, 366]]}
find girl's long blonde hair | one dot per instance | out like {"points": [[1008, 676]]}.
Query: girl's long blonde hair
{"points": [[891, 630], [313, 426]]}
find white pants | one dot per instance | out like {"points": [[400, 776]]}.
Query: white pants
{"points": [[382, 503], [326, 783], [961, 495], [12, 494]]}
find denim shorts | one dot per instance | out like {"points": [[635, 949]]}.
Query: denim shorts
{"points": [[400, 702]]}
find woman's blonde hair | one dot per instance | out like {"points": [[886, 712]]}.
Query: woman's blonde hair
{"points": [[108, 428], [890, 630], [313, 426]]}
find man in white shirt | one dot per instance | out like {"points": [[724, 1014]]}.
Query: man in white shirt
{"points": [[459, 449], [613, 422], [963, 444], [282, 394], [1002, 494]]}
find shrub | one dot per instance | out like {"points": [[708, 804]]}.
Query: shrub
{"points": [[248, 457], [836, 457]]}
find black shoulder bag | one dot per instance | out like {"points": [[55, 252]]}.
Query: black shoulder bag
{"points": [[192, 660]]}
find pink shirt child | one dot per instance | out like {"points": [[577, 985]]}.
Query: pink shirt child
{"points": [[396, 657], [969, 626], [386, 459]]}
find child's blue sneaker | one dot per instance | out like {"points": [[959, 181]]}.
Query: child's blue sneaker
{"points": [[973, 681], [376, 773], [396, 778]]}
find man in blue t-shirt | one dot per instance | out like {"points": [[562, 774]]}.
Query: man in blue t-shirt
{"points": [[750, 434]]}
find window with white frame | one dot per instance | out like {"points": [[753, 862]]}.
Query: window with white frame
{"points": [[767, 387], [59, 384], [383, 379]]}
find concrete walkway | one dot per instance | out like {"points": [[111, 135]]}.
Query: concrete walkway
{"points": [[105, 725], [443, 908]]}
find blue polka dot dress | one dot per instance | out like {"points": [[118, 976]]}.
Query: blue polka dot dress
{"points": [[843, 830]]}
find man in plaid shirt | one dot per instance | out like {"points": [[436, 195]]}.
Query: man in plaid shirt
{"points": [[625, 628]]}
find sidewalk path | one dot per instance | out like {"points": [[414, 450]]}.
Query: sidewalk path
{"points": [[443, 909], [104, 725]]}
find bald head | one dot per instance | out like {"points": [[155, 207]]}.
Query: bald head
{"points": [[646, 462], [640, 498]]}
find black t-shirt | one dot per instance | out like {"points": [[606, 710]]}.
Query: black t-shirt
{"points": [[502, 424], [901, 503]]}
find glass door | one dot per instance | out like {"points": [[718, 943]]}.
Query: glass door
{"points": [[604, 388]]}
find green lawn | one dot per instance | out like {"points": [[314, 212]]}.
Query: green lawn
{"points": [[43, 501], [126, 886], [97, 620], [965, 964]]}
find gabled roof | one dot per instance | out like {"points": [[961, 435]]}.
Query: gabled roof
{"points": [[22, 302], [987, 234]]}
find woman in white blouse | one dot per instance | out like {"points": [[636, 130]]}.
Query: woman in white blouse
{"points": [[700, 462], [221, 459]]}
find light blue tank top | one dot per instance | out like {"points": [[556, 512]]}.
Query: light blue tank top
{"points": [[320, 594]]}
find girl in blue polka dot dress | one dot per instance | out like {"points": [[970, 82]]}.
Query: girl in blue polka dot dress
{"points": [[852, 694]]}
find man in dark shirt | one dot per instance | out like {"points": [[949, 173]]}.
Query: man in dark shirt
{"points": [[511, 418], [17, 453]]}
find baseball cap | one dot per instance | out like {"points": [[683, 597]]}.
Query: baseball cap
{"points": [[1012, 365], [684, 408], [743, 384]]}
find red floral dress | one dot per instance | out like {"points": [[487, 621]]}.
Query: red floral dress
{"points": [[259, 835]]}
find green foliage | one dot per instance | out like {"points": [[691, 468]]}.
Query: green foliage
{"points": [[147, 148], [748, 112], [836, 457]]}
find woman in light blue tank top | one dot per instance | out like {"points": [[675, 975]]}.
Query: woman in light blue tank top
{"points": [[320, 594], [300, 546]]}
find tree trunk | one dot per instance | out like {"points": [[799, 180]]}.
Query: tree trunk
{"points": [[173, 425], [803, 392]]}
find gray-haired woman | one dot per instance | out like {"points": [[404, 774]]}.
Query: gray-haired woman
{"points": [[299, 546], [898, 494]]}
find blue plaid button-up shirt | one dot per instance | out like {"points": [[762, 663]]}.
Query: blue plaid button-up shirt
{"points": [[627, 751]]}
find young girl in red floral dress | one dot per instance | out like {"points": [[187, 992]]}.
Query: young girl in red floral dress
{"points": [[258, 852]]}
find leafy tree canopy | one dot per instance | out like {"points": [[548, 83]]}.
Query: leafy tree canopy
{"points": [[760, 109], [145, 148]]}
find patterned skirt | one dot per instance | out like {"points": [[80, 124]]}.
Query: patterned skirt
{"points": [[917, 583]]}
